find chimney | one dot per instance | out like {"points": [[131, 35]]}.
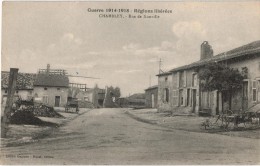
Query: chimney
{"points": [[48, 69], [205, 50]]}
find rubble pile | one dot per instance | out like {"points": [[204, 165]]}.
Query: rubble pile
{"points": [[24, 117], [28, 114], [46, 111]]}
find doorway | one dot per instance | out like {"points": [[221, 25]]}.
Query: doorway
{"points": [[57, 101], [194, 93], [152, 100], [245, 96]]}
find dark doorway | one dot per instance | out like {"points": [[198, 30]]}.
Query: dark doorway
{"points": [[217, 109], [188, 97], [194, 100], [245, 96], [57, 101]]}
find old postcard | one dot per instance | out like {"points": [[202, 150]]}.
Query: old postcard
{"points": [[130, 83]]}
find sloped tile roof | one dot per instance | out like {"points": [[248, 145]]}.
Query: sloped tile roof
{"points": [[247, 49], [24, 80], [152, 87], [51, 80]]}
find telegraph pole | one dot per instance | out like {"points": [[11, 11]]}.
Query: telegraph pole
{"points": [[9, 102], [150, 81], [160, 66]]}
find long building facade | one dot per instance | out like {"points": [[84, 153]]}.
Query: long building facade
{"points": [[179, 88]]}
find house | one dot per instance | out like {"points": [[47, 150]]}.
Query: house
{"points": [[94, 95], [180, 87], [51, 87], [151, 96], [24, 86]]}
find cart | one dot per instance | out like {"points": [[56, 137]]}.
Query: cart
{"points": [[72, 106]]}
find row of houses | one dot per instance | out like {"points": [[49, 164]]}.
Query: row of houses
{"points": [[180, 88], [51, 87]]}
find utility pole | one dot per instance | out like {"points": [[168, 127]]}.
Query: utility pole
{"points": [[160, 63], [150, 81], [160, 66], [9, 102]]}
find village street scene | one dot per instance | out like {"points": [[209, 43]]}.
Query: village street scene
{"points": [[97, 83]]}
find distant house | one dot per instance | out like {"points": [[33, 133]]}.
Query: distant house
{"points": [[51, 87], [151, 97], [180, 87], [136, 100], [90, 95], [24, 86]]}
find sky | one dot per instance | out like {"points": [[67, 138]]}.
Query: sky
{"points": [[121, 52]]}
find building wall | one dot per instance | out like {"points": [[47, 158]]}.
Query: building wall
{"points": [[187, 90], [165, 82], [148, 97], [209, 99], [253, 66], [24, 94], [183, 91], [51, 92]]}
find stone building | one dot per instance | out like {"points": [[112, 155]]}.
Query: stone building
{"points": [[151, 97], [51, 87], [179, 88], [24, 86]]}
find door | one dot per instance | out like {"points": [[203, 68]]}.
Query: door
{"points": [[188, 97], [57, 101], [245, 96], [152, 100], [193, 100], [217, 108]]}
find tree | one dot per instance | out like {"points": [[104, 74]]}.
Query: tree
{"points": [[216, 76], [111, 97], [117, 92]]}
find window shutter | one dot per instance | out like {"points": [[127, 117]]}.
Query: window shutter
{"points": [[184, 97], [184, 78]]}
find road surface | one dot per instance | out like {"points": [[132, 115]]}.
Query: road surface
{"points": [[110, 136]]}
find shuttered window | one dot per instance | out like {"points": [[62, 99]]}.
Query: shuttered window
{"points": [[166, 95], [178, 79], [175, 97], [184, 78], [45, 99]]}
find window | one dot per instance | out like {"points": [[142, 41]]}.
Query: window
{"points": [[166, 95], [181, 79], [45, 99], [175, 97], [5, 91], [194, 80], [58, 88], [254, 90], [45, 88], [166, 78], [181, 97], [17, 91]]}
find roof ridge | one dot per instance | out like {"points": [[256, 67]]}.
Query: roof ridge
{"points": [[255, 45]]}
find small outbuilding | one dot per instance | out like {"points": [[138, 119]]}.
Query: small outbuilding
{"points": [[151, 96]]}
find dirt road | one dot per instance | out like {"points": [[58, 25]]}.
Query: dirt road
{"points": [[110, 136]]}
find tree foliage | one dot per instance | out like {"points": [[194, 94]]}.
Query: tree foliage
{"points": [[217, 76]]}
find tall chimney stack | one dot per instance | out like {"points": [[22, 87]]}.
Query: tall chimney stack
{"points": [[206, 50]]}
